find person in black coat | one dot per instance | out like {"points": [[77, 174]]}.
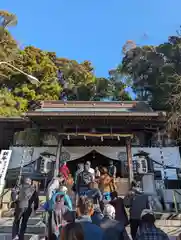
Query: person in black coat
{"points": [[118, 204]]}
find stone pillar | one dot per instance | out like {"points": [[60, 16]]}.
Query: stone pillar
{"points": [[129, 159]]}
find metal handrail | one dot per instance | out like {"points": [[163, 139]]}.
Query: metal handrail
{"points": [[2, 194], [175, 200], [177, 192]]}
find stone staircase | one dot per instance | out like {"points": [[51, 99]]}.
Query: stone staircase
{"points": [[168, 221]]}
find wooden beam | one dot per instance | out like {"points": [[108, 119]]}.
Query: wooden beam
{"points": [[98, 134]]}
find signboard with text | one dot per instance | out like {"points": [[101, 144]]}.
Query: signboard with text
{"points": [[5, 156]]}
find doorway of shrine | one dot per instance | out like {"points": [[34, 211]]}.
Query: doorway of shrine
{"points": [[97, 160]]}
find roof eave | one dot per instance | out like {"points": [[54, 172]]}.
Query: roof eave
{"points": [[14, 119], [96, 114]]}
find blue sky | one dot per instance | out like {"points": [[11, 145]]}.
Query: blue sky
{"points": [[93, 30]]}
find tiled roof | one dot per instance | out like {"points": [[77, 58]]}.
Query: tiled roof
{"points": [[123, 106], [77, 108]]}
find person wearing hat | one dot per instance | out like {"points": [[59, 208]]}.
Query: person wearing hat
{"points": [[64, 170], [147, 229], [83, 181]]}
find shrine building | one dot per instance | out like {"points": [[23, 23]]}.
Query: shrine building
{"points": [[129, 132]]}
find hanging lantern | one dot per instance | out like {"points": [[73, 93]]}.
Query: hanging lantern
{"points": [[45, 166], [46, 162], [142, 165]]}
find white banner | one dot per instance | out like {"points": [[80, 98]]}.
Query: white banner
{"points": [[5, 156]]}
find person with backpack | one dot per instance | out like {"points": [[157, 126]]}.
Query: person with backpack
{"points": [[61, 215], [53, 186], [26, 200], [61, 200], [83, 180], [66, 198]]}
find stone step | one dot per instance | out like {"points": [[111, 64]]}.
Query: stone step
{"points": [[168, 223], [26, 237], [10, 213], [35, 226]]}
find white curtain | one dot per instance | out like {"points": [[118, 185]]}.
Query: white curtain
{"points": [[30, 154], [77, 152], [114, 153]]}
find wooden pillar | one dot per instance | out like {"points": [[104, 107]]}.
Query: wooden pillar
{"points": [[58, 155], [129, 159]]}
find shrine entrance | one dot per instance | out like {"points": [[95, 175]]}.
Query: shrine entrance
{"points": [[97, 160]]}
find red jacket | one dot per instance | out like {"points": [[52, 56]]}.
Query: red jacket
{"points": [[65, 171]]}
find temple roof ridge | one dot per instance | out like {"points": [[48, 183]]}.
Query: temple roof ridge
{"points": [[123, 106]]}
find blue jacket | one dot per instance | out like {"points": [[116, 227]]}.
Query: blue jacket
{"points": [[91, 231], [97, 217]]}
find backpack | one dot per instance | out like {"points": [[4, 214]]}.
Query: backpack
{"points": [[86, 178]]}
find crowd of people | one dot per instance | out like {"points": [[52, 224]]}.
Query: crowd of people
{"points": [[96, 212]]}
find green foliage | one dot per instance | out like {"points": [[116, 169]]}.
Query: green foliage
{"points": [[17, 93], [8, 46], [153, 70]]}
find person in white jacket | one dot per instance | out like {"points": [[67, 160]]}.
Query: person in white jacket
{"points": [[91, 170], [53, 186]]}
